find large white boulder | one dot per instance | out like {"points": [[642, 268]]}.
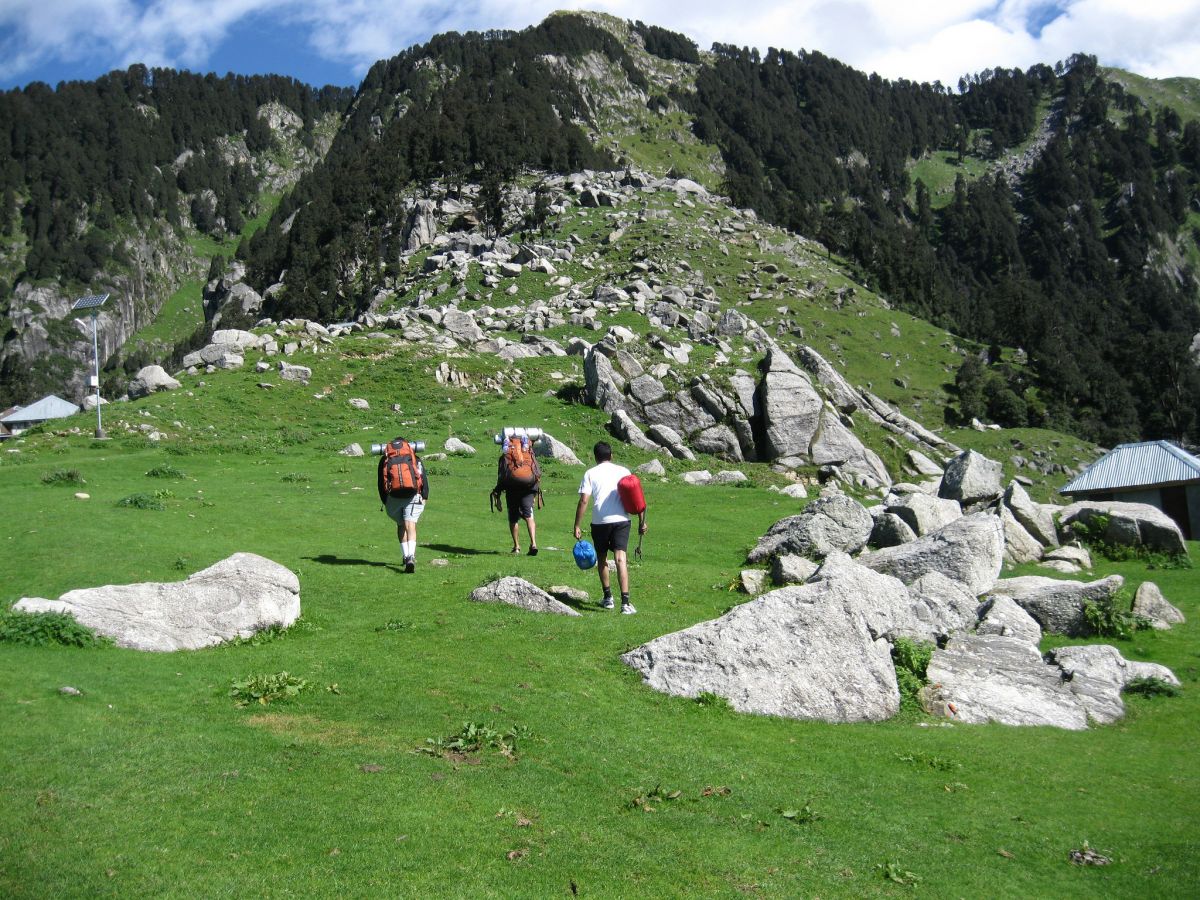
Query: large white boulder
{"points": [[972, 478], [149, 380], [1129, 524], [233, 598], [803, 652]]}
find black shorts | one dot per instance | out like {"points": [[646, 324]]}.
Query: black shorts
{"points": [[613, 536], [520, 504]]}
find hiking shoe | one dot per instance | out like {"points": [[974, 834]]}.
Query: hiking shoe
{"points": [[627, 609], [410, 565], [533, 551], [606, 603]]}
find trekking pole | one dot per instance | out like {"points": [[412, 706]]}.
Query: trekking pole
{"points": [[638, 552]]}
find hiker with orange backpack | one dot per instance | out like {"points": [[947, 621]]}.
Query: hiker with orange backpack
{"points": [[403, 491], [519, 476], [610, 521]]}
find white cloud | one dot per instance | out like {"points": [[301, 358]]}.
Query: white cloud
{"points": [[921, 40]]}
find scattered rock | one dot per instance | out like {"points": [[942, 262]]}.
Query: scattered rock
{"points": [[801, 652], [1129, 524], [1150, 603], [1001, 615], [1098, 673], [981, 678], [787, 568], [149, 380], [653, 467], [520, 593], [753, 581]]}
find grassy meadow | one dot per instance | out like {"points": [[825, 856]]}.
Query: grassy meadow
{"points": [[154, 782]]}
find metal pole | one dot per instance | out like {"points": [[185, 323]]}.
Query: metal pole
{"points": [[96, 358]]}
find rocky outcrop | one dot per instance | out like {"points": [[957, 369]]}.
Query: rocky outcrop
{"points": [[832, 522], [1098, 674], [1001, 615], [1150, 604], [981, 678], [971, 478], [924, 514], [1058, 606], [233, 598], [969, 550]]}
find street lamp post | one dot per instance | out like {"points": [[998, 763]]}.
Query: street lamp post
{"points": [[93, 302]]}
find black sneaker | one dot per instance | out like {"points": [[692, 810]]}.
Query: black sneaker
{"points": [[533, 551], [410, 566]]}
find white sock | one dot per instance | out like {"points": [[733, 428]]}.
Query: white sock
{"points": [[408, 548]]}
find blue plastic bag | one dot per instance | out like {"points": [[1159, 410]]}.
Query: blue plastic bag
{"points": [[585, 554]]}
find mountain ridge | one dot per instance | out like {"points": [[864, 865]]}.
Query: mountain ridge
{"points": [[335, 242]]}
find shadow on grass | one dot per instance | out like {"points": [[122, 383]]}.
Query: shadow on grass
{"points": [[465, 551], [328, 559]]}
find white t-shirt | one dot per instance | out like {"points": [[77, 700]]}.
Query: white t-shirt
{"points": [[601, 482]]}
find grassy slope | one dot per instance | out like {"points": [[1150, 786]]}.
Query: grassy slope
{"points": [[183, 311], [1181, 93], [153, 782]]}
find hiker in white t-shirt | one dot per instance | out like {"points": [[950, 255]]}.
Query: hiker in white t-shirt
{"points": [[610, 523]]}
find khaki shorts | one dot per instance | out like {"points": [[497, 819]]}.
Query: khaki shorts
{"points": [[405, 508]]}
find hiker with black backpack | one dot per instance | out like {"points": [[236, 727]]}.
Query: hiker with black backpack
{"points": [[519, 477], [610, 521], [403, 491]]}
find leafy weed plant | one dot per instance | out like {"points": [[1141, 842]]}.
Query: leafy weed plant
{"points": [[710, 700], [1107, 618], [911, 659], [63, 476], [1151, 687], [265, 689], [166, 471], [142, 500], [475, 737], [44, 629]]}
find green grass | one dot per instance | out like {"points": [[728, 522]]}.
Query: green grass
{"points": [[939, 169], [153, 781], [1181, 93]]}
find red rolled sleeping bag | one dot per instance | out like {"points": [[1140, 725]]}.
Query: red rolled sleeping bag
{"points": [[629, 489]]}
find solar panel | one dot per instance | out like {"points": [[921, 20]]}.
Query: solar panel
{"points": [[92, 301]]}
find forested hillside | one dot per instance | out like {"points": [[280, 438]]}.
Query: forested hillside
{"points": [[1049, 214], [1075, 258], [97, 178]]}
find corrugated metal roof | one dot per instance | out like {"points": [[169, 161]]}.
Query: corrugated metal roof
{"points": [[50, 407], [1136, 465]]}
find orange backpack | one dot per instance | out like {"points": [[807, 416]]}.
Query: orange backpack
{"points": [[401, 468], [521, 469]]}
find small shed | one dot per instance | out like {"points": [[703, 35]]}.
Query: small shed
{"points": [[1155, 472], [49, 407]]}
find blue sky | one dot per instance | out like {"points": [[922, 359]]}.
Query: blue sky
{"points": [[336, 41]]}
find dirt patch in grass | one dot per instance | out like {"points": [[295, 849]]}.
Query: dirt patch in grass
{"points": [[314, 730]]}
